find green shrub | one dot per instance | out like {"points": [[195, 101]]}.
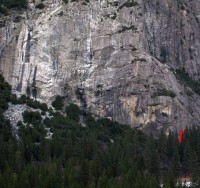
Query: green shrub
{"points": [[31, 117], [61, 13], [40, 6], [84, 3], [66, 1], [58, 103], [4, 10], [47, 122], [17, 19], [43, 113], [187, 80], [14, 99], [124, 28], [36, 105], [23, 98], [3, 104], [129, 3], [164, 92], [43, 107], [5, 93], [73, 112], [31, 103], [113, 16]]}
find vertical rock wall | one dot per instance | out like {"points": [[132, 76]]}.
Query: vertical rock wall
{"points": [[172, 33], [112, 58]]}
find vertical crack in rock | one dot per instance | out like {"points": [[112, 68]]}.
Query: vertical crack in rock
{"points": [[83, 105], [23, 56], [34, 88], [28, 46]]}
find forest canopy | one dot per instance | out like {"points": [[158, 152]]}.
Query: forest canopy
{"points": [[13, 4], [102, 154]]}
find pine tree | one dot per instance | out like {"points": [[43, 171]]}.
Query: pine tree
{"points": [[155, 163], [186, 158], [84, 173], [175, 162], [136, 143], [149, 146], [162, 146]]}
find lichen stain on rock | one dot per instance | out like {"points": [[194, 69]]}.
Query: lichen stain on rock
{"points": [[129, 104], [147, 117]]}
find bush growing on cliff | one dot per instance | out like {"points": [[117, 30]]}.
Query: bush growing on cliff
{"points": [[129, 3], [67, 1], [40, 6], [15, 100], [31, 117], [5, 91], [164, 92], [58, 103], [73, 112], [17, 19], [29, 102], [37, 105], [184, 77]]}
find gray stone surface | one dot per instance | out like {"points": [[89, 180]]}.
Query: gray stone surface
{"points": [[14, 114], [110, 60]]}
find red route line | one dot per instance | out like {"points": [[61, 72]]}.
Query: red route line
{"points": [[180, 139]]}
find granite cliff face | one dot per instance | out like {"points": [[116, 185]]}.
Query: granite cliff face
{"points": [[115, 59]]}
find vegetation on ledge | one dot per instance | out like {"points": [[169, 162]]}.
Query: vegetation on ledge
{"points": [[164, 92], [184, 77]]}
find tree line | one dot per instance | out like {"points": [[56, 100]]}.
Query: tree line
{"points": [[14, 3], [104, 154]]}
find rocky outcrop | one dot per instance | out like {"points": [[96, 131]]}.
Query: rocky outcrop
{"points": [[172, 33], [114, 59], [14, 114]]}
